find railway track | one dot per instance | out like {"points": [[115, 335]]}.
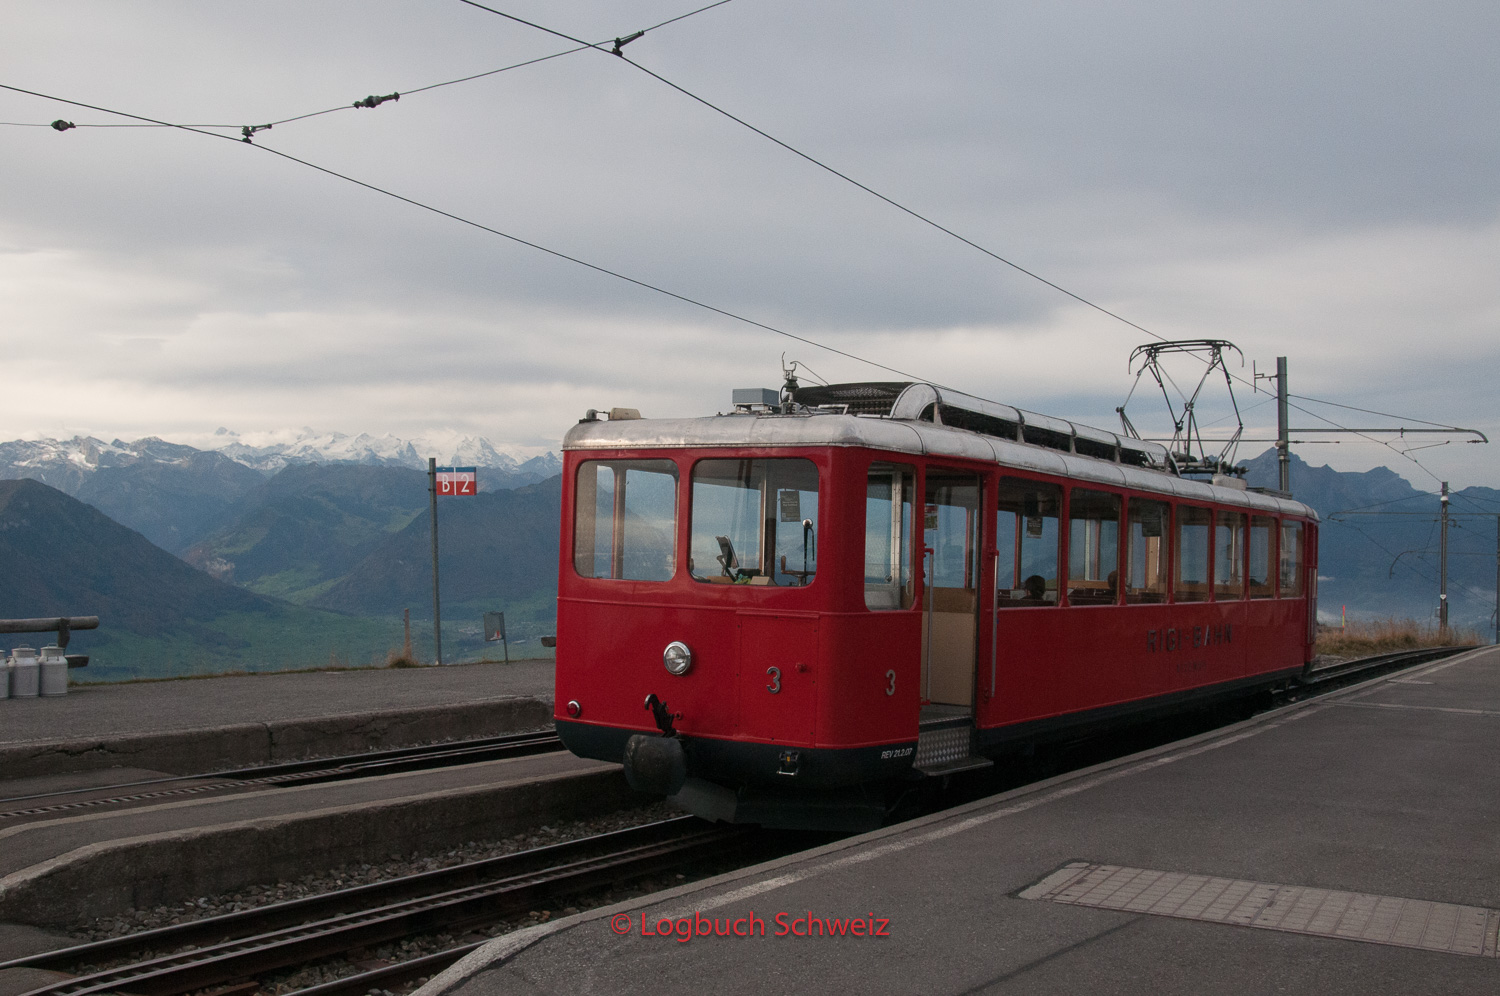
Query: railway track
{"points": [[1332, 676], [45, 805], [236, 949]]}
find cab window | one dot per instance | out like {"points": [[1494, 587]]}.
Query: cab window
{"points": [[754, 522], [1259, 565], [1026, 537], [1146, 551], [1291, 559], [625, 520], [1229, 555], [1093, 547], [888, 576], [1193, 524]]}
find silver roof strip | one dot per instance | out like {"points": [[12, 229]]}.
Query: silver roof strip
{"points": [[750, 431]]}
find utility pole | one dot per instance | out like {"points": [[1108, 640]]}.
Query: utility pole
{"points": [[1443, 569], [1497, 580], [437, 613], [1283, 433]]}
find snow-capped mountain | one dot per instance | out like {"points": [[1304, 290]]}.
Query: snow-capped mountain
{"points": [[269, 452], [67, 464]]}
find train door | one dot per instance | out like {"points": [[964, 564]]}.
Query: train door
{"points": [[951, 541]]}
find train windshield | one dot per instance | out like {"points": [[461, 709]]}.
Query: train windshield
{"points": [[625, 519], [755, 522]]}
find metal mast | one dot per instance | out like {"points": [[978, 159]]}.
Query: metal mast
{"points": [[1283, 432], [1443, 568], [437, 612]]}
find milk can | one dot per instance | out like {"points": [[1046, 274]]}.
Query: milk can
{"points": [[54, 672], [25, 676]]}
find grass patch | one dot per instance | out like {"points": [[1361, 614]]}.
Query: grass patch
{"points": [[1389, 636], [289, 638]]}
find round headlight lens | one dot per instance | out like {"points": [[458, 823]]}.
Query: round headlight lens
{"points": [[677, 658]]}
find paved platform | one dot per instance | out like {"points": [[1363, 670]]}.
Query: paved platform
{"points": [[191, 725], [1347, 844]]}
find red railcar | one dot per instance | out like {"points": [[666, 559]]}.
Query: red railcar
{"points": [[777, 614]]}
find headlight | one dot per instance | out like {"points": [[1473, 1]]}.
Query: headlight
{"points": [[677, 658]]}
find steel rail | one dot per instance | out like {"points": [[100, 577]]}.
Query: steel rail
{"points": [[1378, 664], [383, 912], [289, 773], [388, 975]]}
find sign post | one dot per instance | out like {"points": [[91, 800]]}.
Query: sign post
{"points": [[494, 629], [446, 481]]}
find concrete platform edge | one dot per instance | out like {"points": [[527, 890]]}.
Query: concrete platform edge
{"points": [[106, 878], [509, 945], [183, 752]]}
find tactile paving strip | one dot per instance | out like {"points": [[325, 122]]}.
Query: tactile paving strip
{"points": [[1354, 916]]}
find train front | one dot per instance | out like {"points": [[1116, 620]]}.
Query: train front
{"points": [[707, 635]]}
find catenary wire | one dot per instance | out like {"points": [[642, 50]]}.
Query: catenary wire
{"points": [[578, 47], [822, 165], [493, 231], [928, 221]]}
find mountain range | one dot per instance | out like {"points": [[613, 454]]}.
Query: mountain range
{"points": [[66, 464], [176, 495], [197, 561], [1379, 543]]}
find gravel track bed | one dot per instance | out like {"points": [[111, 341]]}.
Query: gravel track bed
{"points": [[349, 875], [345, 876], [414, 947]]}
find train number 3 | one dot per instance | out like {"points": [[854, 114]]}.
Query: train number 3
{"points": [[890, 678], [775, 685]]}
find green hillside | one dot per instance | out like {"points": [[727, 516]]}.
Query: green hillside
{"points": [[159, 617], [307, 527], [498, 552]]}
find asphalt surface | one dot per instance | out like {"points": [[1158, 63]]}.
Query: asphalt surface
{"points": [[1389, 789], [156, 707]]}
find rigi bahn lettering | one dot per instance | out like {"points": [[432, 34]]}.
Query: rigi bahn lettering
{"points": [[1172, 638]]}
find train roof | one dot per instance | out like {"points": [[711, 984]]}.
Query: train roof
{"points": [[814, 427]]}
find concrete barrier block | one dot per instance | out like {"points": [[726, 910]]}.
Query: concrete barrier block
{"points": [[107, 878], [243, 745]]}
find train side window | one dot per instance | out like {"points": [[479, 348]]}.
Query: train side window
{"points": [[1146, 552], [1093, 547], [1192, 553], [888, 575], [1229, 555], [625, 520], [1026, 536], [1291, 560], [755, 522], [1259, 566]]}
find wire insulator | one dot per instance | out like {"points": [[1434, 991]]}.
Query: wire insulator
{"points": [[249, 130], [622, 42], [374, 101], [62, 125]]}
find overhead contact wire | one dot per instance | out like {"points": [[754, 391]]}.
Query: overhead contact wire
{"points": [[909, 211], [486, 228], [824, 166]]}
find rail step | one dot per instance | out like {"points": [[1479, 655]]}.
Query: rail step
{"points": [[947, 746]]}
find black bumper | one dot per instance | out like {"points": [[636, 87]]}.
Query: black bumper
{"points": [[733, 762]]}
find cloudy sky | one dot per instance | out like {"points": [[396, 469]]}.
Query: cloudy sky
{"points": [[1311, 180]]}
